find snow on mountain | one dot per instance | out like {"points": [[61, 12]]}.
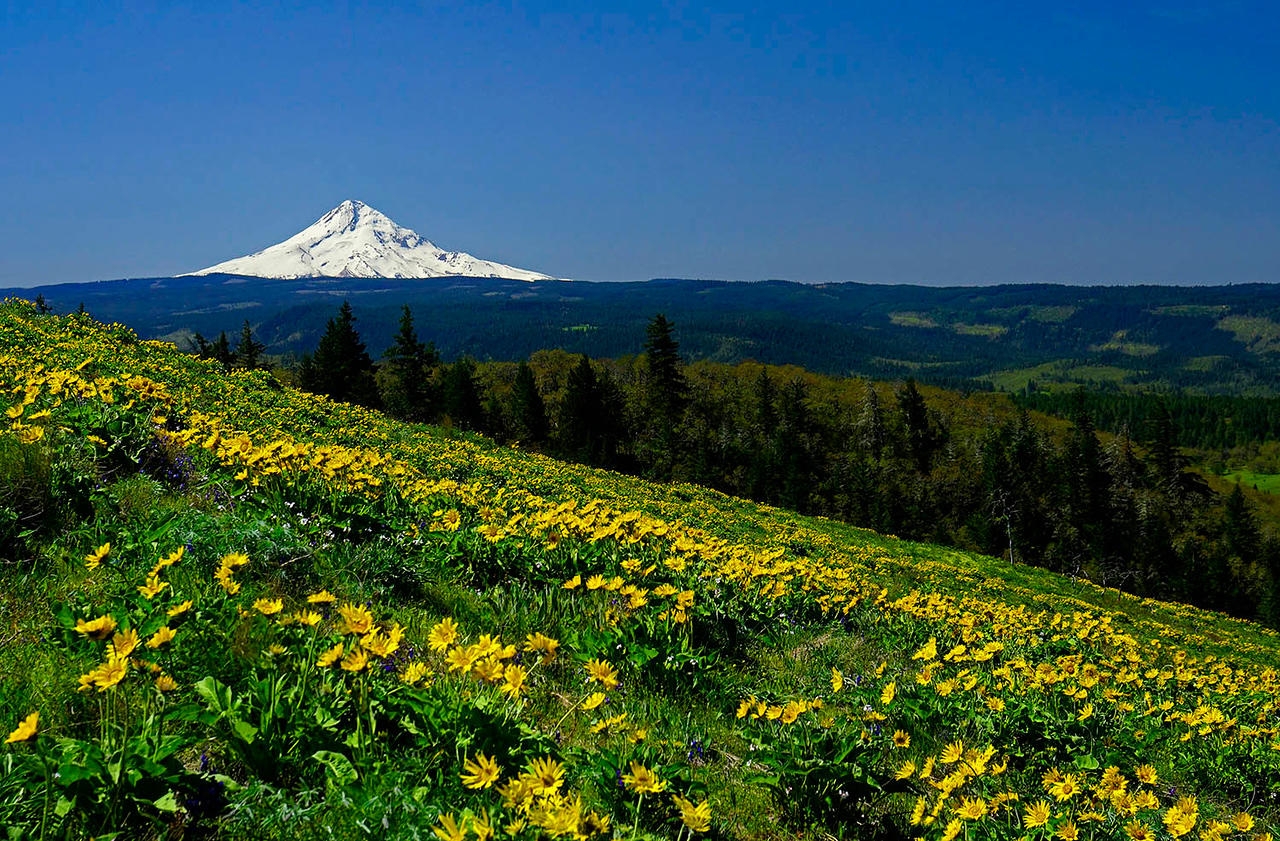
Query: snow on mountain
{"points": [[354, 240]]}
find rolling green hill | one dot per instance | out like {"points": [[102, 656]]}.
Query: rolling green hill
{"points": [[234, 610], [1214, 339]]}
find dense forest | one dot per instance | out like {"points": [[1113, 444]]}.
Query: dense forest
{"points": [[973, 471], [1228, 429]]}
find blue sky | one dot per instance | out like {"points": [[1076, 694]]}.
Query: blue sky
{"points": [[913, 142]]}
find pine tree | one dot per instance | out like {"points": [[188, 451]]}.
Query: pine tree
{"points": [[405, 379], [582, 415], [249, 350], [764, 435], [765, 398], [921, 438], [1240, 528], [1086, 481], [529, 411], [221, 351], [612, 430], [1166, 463], [460, 396], [201, 346], [341, 368], [871, 430], [796, 464], [306, 372], [666, 394], [41, 307]]}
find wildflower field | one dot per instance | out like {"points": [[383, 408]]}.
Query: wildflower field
{"points": [[234, 610]]}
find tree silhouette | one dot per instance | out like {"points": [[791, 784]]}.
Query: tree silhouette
{"points": [[249, 350], [340, 367]]}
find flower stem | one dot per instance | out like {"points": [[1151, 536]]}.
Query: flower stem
{"points": [[635, 826]]}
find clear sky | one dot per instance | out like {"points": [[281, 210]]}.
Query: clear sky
{"points": [[917, 142]]}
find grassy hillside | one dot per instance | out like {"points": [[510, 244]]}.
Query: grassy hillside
{"points": [[238, 611]]}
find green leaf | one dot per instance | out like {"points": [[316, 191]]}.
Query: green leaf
{"points": [[1086, 762], [69, 774], [244, 730], [340, 771], [168, 803], [215, 694]]}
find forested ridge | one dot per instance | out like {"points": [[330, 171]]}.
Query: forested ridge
{"points": [[1206, 339], [969, 470]]}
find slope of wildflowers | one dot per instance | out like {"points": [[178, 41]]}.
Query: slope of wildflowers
{"points": [[238, 610]]}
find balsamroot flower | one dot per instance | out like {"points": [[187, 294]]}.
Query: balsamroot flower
{"points": [[643, 780], [162, 636], [96, 629], [695, 816], [602, 673], [356, 619], [480, 772], [26, 730], [94, 559]]}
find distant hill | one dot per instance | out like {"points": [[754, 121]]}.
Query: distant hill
{"points": [[1214, 339]]}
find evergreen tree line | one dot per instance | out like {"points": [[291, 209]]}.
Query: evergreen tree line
{"points": [[248, 353], [1130, 514], [1206, 422]]}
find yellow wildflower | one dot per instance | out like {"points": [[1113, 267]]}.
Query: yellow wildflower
{"points": [[330, 657], [96, 629], [643, 780], [356, 619], [26, 730], [268, 607], [602, 673], [1037, 814], [161, 637], [94, 559], [355, 661], [443, 635], [695, 816], [480, 772]]}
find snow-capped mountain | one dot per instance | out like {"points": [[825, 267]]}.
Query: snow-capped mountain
{"points": [[354, 240]]}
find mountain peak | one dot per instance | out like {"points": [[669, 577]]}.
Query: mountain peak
{"points": [[355, 240]]}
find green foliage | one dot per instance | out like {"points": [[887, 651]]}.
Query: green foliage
{"points": [[340, 366]]}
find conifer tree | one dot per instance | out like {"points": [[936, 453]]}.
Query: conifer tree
{"points": [[921, 438], [582, 415], [666, 394], [41, 306], [306, 373], [529, 411], [221, 351], [1087, 482], [612, 427], [341, 367], [762, 476], [460, 396], [795, 456], [766, 413], [1166, 463], [249, 350], [871, 429], [201, 346], [1239, 527], [405, 379]]}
